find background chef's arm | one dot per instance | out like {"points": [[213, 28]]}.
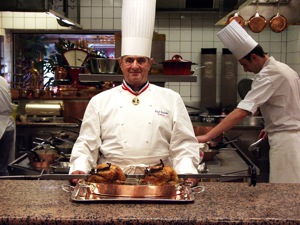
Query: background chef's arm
{"points": [[228, 122]]}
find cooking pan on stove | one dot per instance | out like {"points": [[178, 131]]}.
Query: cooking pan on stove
{"points": [[59, 145], [42, 158]]}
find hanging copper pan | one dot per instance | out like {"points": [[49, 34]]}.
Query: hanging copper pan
{"points": [[257, 22], [237, 18], [278, 23]]}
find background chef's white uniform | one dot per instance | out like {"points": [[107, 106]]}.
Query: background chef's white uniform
{"points": [[7, 127], [276, 90], [136, 136]]}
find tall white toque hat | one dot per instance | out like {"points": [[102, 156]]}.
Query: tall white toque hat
{"points": [[237, 40], [138, 18]]}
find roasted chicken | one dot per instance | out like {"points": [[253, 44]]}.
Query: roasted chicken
{"points": [[107, 173], [160, 174]]}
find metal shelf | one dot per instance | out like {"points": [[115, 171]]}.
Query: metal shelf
{"points": [[152, 78]]}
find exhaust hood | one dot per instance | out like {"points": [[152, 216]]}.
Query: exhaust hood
{"points": [[66, 12]]}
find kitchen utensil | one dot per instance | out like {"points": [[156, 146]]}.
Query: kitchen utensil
{"points": [[254, 146], [237, 18], [257, 22], [104, 65], [202, 168], [61, 145], [209, 154], [278, 22], [42, 158], [177, 66], [36, 109], [76, 57], [253, 176], [60, 167]]}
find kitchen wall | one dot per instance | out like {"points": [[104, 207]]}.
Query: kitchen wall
{"points": [[186, 34]]}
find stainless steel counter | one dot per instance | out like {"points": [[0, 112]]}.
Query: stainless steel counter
{"points": [[228, 164]]}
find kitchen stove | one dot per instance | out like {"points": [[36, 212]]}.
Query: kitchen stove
{"points": [[60, 143], [230, 164]]}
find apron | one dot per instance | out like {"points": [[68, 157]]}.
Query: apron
{"points": [[284, 157]]}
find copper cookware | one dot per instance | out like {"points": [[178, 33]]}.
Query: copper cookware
{"points": [[177, 66], [135, 191], [42, 158], [257, 22], [237, 18], [278, 22], [85, 192]]}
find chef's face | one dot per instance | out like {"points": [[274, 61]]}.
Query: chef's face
{"points": [[251, 65], [135, 69]]}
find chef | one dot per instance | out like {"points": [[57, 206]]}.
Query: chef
{"points": [[276, 91], [7, 127], [136, 124]]}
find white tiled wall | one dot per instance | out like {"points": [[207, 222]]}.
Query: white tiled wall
{"points": [[186, 34]]}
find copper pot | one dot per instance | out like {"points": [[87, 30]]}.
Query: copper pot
{"points": [[257, 22], [209, 155], [237, 18], [278, 22], [177, 66], [42, 158]]}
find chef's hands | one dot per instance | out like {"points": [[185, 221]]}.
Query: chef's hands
{"points": [[192, 181], [203, 138], [75, 181], [263, 134]]}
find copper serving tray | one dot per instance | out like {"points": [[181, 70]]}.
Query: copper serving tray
{"points": [[99, 192]]}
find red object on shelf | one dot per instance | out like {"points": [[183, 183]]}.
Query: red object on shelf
{"points": [[177, 66]]}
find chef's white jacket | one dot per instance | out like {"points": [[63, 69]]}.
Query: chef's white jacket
{"points": [[276, 90], [7, 122], [135, 136], [6, 108]]}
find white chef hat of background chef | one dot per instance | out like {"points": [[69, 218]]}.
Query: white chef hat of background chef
{"points": [[138, 18], [237, 40]]}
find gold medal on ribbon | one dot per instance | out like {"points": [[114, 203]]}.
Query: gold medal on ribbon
{"points": [[135, 100]]}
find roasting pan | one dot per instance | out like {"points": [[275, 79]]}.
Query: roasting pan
{"points": [[101, 192]]}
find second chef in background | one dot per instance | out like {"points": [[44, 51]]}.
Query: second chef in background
{"points": [[276, 91]]}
